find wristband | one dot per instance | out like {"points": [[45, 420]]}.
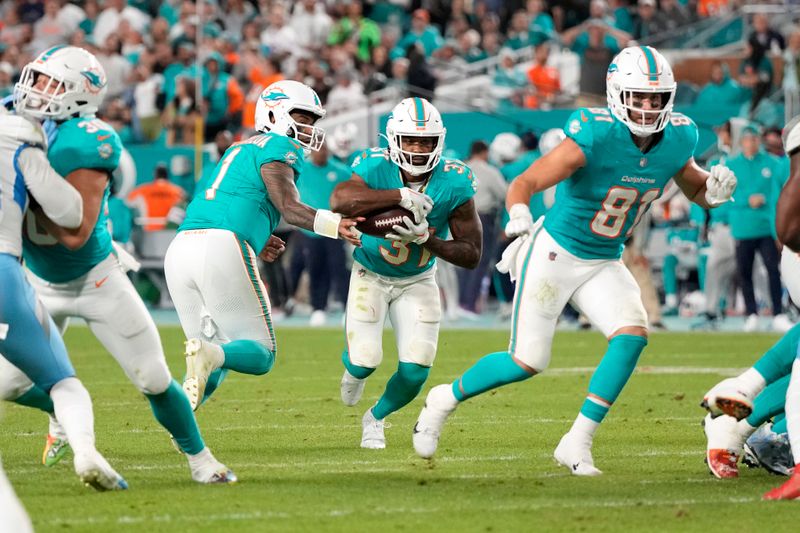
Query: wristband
{"points": [[326, 223]]}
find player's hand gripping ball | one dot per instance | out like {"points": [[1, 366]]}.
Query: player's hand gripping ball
{"points": [[379, 223]]}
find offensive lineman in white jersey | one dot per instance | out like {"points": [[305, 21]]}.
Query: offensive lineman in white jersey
{"points": [[28, 336]]}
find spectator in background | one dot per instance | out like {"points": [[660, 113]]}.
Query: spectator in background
{"points": [[545, 80], [421, 32], [364, 32], [508, 78], [6, 79], [48, 30], [114, 11], [755, 73], [620, 10], [182, 65], [118, 69], [469, 46], [489, 199], [596, 43], [791, 64], [764, 39], [421, 81], [224, 97], [647, 22], [145, 94], [751, 224], [673, 15], [711, 8], [261, 73], [347, 93], [541, 28], [518, 35], [311, 24], [181, 113], [236, 14], [156, 199], [324, 258], [721, 89], [278, 36]]}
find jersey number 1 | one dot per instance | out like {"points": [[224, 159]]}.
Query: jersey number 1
{"points": [[609, 221], [211, 192]]}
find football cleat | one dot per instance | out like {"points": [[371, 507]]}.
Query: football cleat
{"points": [[95, 472], [788, 491], [207, 470], [727, 398], [351, 389], [724, 442], [202, 358], [439, 404], [575, 456], [55, 449], [372, 436], [722, 463], [769, 450]]}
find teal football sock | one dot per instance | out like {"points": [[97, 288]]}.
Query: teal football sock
{"points": [[770, 402], [489, 372], [173, 411], [248, 357], [702, 263], [402, 387], [612, 374], [215, 379], [359, 372], [778, 360], [36, 397], [670, 279], [779, 424]]}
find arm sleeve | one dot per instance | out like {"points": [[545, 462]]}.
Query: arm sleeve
{"points": [[61, 202]]}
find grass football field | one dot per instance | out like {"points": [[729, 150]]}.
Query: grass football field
{"points": [[296, 451]]}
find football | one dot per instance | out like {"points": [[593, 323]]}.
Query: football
{"points": [[379, 223]]}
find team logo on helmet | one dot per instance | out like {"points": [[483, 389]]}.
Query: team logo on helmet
{"points": [[94, 80], [274, 96]]}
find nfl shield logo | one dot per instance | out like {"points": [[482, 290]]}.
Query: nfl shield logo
{"points": [[643, 162]]}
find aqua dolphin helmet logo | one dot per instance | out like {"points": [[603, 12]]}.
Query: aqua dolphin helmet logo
{"points": [[274, 96], [94, 80]]}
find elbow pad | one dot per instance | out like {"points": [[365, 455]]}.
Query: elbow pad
{"points": [[791, 136]]}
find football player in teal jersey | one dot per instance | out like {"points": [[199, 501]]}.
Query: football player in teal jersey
{"points": [[394, 276], [76, 272], [211, 264], [614, 162]]}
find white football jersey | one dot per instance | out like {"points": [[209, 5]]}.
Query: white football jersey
{"points": [[24, 170]]}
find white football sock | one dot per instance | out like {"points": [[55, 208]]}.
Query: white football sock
{"points": [[73, 408], [584, 428], [752, 382], [793, 411]]}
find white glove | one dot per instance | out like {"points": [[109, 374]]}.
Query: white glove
{"points": [[720, 185], [418, 203], [520, 222], [416, 233]]}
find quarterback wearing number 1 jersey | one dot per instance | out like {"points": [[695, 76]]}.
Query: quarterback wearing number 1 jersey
{"points": [[394, 276], [613, 163]]}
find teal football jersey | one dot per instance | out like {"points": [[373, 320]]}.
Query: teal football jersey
{"points": [[597, 207], [85, 142], [449, 186], [234, 196], [317, 184]]}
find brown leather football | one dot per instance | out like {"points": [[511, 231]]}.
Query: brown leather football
{"points": [[379, 223]]}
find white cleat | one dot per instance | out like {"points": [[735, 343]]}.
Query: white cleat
{"points": [[439, 404], [372, 436], [207, 470], [728, 398], [575, 456], [202, 358], [725, 438], [95, 472], [351, 389]]}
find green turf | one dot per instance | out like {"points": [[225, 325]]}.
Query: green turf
{"points": [[295, 448]]}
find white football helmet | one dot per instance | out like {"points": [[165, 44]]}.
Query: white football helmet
{"points": [[76, 87], [415, 117], [550, 139], [640, 69], [505, 148], [277, 102], [340, 141]]}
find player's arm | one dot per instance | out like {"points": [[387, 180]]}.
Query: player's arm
{"points": [[355, 198], [787, 218], [551, 169], [464, 249], [279, 180], [91, 185], [706, 189], [59, 200]]}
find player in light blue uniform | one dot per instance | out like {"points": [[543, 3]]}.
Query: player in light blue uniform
{"points": [[28, 336], [76, 272], [613, 164], [394, 276]]}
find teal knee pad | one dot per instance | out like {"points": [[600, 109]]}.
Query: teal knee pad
{"points": [[359, 372]]}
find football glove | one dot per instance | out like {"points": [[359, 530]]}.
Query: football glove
{"points": [[520, 222], [720, 185], [418, 203], [416, 233]]}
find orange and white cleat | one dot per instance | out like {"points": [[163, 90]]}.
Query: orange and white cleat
{"points": [[728, 398], [724, 464], [788, 491]]}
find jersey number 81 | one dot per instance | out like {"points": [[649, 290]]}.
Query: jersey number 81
{"points": [[609, 221]]}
